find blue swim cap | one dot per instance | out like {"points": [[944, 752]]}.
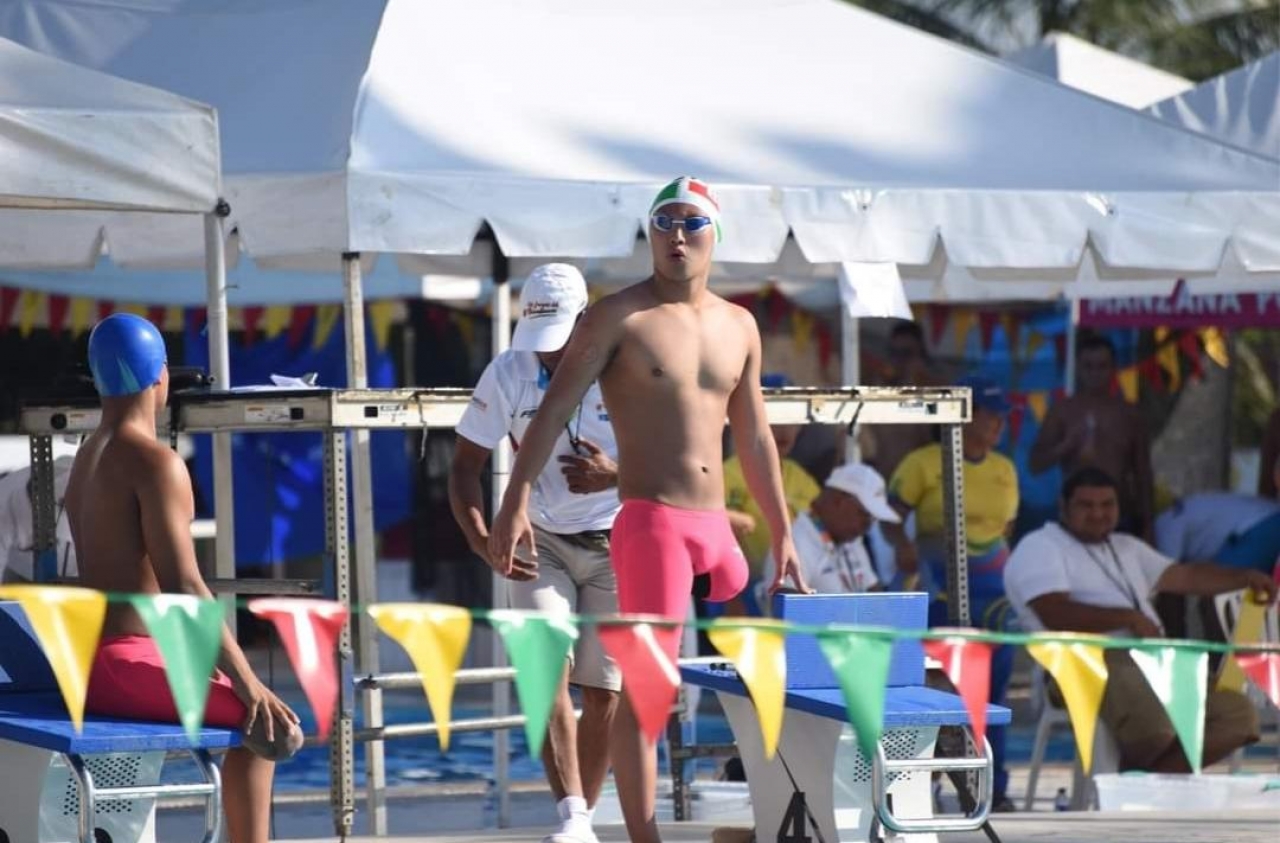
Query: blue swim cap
{"points": [[126, 355]]}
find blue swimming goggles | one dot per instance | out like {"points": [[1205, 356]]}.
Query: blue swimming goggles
{"points": [[691, 225]]}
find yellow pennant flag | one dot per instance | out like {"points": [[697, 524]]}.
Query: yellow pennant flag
{"points": [[1167, 357], [435, 636], [1249, 628], [67, 621], [757, 651], [1039, 404], [1081, 673], [81, 316], [382, 314], [327, 316], [466, 326], [1215, 346], [29, 307], [275, 319], [134, 308], [174, 319], [1034, 341], [962, 321], [801, 330], [1128, 378]]}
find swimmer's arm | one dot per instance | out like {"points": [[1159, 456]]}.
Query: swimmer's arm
{"points": [[749, 424], [166, 505], [590, 348]]}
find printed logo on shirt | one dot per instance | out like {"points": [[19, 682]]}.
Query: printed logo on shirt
{"points": [[540, 309], [601, 413], [480, 404], [528, 412]]}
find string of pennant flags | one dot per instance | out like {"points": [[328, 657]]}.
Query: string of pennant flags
{"points": [[187, 630]]}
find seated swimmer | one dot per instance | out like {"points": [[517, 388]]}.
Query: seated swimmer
{"points": [[130, 504]]}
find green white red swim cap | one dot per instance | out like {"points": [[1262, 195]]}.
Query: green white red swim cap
{"points": [[690, 191]]}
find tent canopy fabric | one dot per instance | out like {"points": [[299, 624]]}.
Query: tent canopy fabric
{"points": [[75, 138], [405, 127], [1241, 107], [1088, 67]]}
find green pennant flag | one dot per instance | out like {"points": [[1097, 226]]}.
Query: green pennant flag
{"points": [[1179, 677], [861, 665], [538, 645], [188, 632]]}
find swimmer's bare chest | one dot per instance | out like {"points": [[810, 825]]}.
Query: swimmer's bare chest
{"points": [[667, 388]]}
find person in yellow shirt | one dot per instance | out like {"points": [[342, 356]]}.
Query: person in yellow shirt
{"points": [[990, 506], [799, 490]]}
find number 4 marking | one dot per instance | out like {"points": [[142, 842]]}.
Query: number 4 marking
{"points": [[795, 822]]}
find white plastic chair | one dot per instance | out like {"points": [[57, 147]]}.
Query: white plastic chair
{"points": [[1228, 606], [1106, 754]]}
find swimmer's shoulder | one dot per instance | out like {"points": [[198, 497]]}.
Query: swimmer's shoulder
{"points": [[143, 463]]}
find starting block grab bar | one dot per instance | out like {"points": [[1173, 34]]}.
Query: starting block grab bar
{"points": [[90, 794], [883, 767]]}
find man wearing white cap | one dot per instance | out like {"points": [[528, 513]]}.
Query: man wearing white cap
{"points": [[829, 537], [573, 506]]}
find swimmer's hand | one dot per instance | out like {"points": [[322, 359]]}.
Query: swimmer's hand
{"points": [[589, 470], [510, 531], [267, 712], [788, 565]]}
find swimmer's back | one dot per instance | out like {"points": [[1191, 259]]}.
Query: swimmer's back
{"points": [[667, 387], [115, 472]]}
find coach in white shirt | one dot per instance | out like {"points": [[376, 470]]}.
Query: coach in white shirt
{"points": [[573, 505], [830, 537], [1080, 575]]}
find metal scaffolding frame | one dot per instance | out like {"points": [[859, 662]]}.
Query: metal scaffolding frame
{"points": [[337, 412]]}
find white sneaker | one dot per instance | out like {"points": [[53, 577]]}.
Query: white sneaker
{"points": [[575, 823]]}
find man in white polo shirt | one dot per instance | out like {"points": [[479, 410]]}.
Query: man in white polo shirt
{"points": [[572, 508], [830, 536], [1080, 575]]}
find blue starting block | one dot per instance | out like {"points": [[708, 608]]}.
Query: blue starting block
{"points": [[819, 786], [96, 786]]}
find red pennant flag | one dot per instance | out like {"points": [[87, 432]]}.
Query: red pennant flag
{"points": [[987, 321], [299, 321], [155, 315], [252, 316], [826, 347], [1150, 370], [937, 323], [1264, 670], [1191, 350], [1060, 349], [105, 309], [309, 630], [8, 303], [1016, 416], [58, 307], [968, 665], [776, 306], [646, 655]]}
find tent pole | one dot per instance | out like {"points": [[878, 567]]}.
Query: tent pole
{"points": [[500, 314], [1073, 328], [850, 372], [366, 591], [224, 510]]}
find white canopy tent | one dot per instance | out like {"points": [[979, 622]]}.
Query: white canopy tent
{"points": [[81, 149], [1241, 108], [1094, 70]]}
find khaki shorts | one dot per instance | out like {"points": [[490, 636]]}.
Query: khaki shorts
{"points": [[575, 577]]}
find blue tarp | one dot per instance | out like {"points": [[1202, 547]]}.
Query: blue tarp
{"points": [[278, 477]]}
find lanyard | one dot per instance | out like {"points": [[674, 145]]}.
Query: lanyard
{"points": [[574, 433], [1115, 573]]}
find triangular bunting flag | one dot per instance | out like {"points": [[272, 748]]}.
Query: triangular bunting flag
{"points": [[1128, 380], [435, 637], [757, 651], [327, 317], [67, 622], [1179, 677], [1171, 363], [382, 315], [8, 303], [968, 665], [1081, 673], [276, 320], [1215, 346], [29, 307], [539, 646], [987, 321], [58, 307], [81, 315], [645, 654], [188, 632], [1264, 670], [1039, 404], [251, 317], [300, 318], [309, 630], [962, 322], [937, 323], [155, 315], [861, 665], [1250, 622]]}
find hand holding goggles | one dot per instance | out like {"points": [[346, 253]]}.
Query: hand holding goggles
{"points": [[691, 225]]}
